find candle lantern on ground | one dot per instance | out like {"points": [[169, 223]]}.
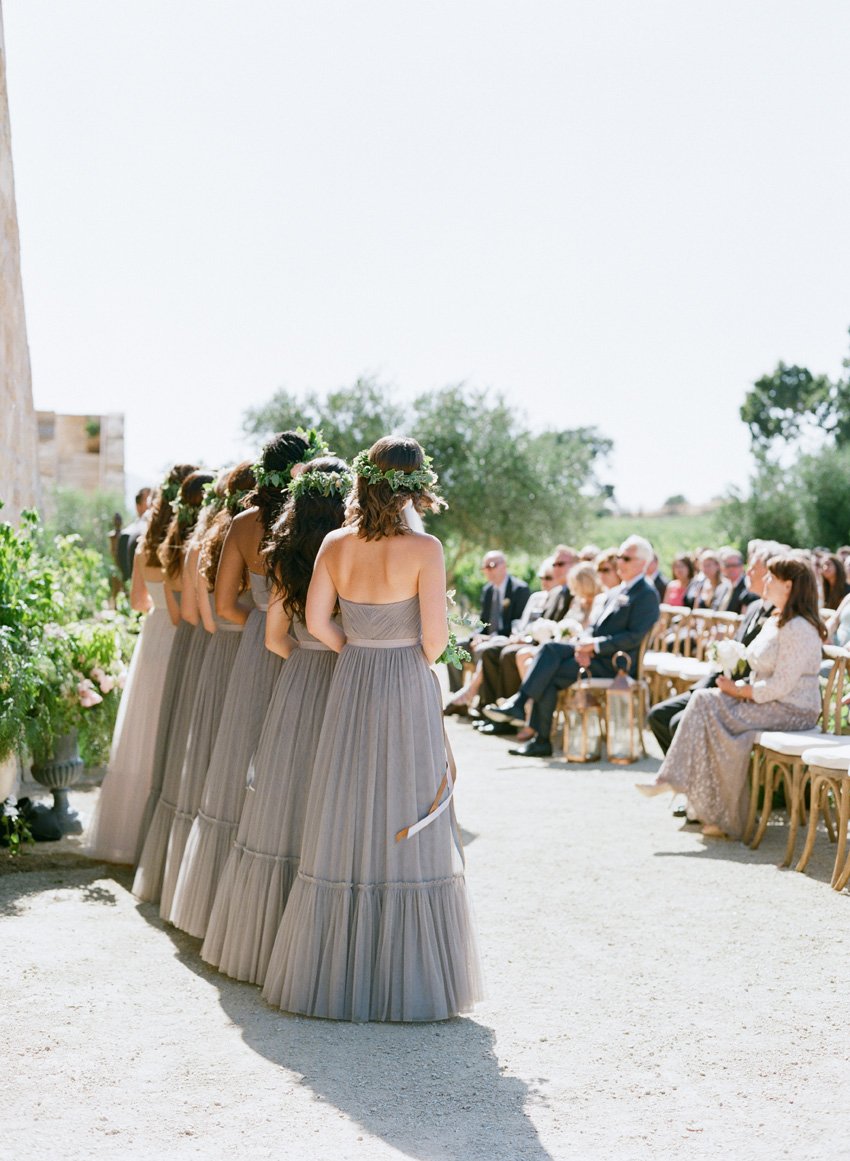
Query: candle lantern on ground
{"points": [[583, 721], [624, 715]]}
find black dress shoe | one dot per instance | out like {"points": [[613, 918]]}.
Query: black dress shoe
{"points": [[511, 711], [498, 728], [535, 749], [454, 707]]}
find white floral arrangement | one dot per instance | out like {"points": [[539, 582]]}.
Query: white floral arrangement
{"points": [[727, 657]]}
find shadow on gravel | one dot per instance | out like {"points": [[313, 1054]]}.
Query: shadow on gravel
{"points": [[770, 853], [44, 871], [432, 1091]]}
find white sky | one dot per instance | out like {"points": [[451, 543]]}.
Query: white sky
{"points": [[617, 213]]}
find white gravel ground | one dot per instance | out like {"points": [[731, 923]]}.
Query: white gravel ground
{"points": [[651, 994]]}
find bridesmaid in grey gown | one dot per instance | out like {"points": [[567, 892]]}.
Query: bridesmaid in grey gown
{"points": [[180, 565], [710, 754], [120, 813], [378, 925], [249, 688], [263, 863]]}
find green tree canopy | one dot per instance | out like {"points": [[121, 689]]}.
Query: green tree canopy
{"points": [[506, 486], [781, 406], [351, 418]]}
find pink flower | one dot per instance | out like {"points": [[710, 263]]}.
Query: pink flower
{"points": [[87, 694]]}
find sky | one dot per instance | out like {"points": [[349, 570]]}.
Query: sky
{"points": [[615, 214]]}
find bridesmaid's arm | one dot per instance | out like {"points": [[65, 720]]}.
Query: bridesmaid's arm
{"points": [[205, 607], [321, 602], [140, 598], [228, 581], [432, 599], [278, 624], [189, 603], [171, 604]]}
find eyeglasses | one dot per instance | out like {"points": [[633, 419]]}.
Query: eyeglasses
{"points": [[545, 576], [605, 568], [624, 556], [491, 564], [560, 563]]}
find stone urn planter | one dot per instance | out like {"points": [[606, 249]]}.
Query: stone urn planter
{"points": [[58, 772]]}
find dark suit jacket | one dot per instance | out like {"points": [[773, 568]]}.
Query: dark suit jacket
{"points": [[557, 603], [741, 597], [624, 622], [515, 599], [661, 583]]}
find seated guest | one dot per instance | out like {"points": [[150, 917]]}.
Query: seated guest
{"points": [[683, 573], [664, 717], [498, 668], [503, 599], [128, 537], [589, 552], [532, 612], [606, 569], [655, 577], [584, 585], [709, 757], [838, 625], [834, 580], [702, 588], [629, 612], [732, 595]]}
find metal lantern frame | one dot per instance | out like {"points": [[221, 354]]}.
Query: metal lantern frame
{"points": [[624, 707], [583, 707]]}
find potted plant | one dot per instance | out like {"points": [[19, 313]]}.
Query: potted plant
{"points": [[81, 672], [93, 433]]}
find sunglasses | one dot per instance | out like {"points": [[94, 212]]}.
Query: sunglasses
{"points": [[491, 564], [560, 563], [605, 568], [545, 576], [624, 556]]}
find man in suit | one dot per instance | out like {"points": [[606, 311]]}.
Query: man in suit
{"points": [[732, 594], [629, 612], [128, 537], [664, 717], [503, 599], [654, 576], [499, 674]]}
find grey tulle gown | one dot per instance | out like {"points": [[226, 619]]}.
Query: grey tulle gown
{"points": [[262, 865], [377, 929], [203, 731], [249, 690], [119, 815], [171, 738], [183, 637]]}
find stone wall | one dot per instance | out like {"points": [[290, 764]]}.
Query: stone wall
{"points": [[19, 486], [72, 455]]}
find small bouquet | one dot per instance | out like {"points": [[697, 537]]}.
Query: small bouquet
{"points": [[455, 654], [727, 657], [543, 630]]}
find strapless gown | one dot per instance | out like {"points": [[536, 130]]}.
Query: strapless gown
{"points": [[171, 741], [262, 865], [206, 717], [377, 929], [118, 817], [249, 691]]}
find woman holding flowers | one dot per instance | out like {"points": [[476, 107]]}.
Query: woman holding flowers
{"points": [[378, 924], [709, 757]]}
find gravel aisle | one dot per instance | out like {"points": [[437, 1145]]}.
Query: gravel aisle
{"points": [[651, 994]]}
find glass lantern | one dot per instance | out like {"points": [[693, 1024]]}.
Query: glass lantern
{"points": [[624, 715], [582, 723]]}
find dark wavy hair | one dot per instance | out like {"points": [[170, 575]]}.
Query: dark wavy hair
{"points": [[803, 598], [183, 522], [833, 592], [375, 510], [297, 536], [279, 454], [161, 513], [238, 479]]}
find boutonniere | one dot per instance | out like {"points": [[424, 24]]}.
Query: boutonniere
{"points": [[622, 600]]}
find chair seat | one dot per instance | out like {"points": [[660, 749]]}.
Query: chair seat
{"points": [[830, 758], [793, 744]]}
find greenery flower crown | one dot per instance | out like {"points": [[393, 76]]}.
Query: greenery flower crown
{"points": [[275, 478], [185, 513], [321, 483], [423, 479], [211, 498], [169, 492]]}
